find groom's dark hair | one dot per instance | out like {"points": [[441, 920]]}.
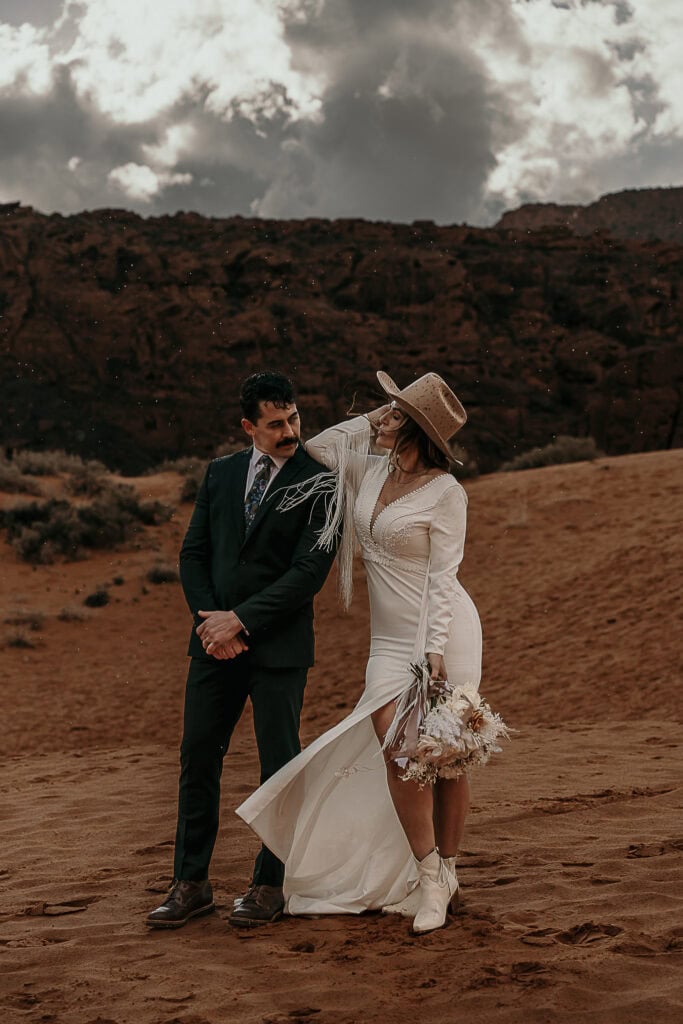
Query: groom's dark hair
{"points": [[267, 386]]}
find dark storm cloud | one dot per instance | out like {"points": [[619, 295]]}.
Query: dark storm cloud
{"points": [[41, 134], [36, 12], [411, 122], [406, 126]]}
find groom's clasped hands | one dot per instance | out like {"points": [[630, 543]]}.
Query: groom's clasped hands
{"points": [[220, 634]]}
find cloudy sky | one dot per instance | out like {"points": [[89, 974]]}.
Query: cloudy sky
{"points": [[450, 110]]}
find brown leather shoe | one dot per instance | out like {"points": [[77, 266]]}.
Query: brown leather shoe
{"points": [[185, 900], [261, 904]]}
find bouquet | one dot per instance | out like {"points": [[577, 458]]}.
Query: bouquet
{"points": [[439, 732]]}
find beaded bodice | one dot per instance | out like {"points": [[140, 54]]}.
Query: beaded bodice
{"points": [[401, 528]]}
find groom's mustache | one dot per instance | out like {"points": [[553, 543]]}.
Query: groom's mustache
{"points": [[287, 442]]}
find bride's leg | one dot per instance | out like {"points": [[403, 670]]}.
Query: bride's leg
{"points": [[451, 804], [414, 806]]}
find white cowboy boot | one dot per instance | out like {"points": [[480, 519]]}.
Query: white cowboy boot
{"points": [[449, 866], [438, 890], [407, 907]]}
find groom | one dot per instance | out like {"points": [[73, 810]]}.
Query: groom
{"points": [[249, 573]]}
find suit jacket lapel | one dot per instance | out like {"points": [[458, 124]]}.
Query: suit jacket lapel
{"points": [[287, 474], [238, 484]]}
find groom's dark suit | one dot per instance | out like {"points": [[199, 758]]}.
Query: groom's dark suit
{"points": [[268, 576]]}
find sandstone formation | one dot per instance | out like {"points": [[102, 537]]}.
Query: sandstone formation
{"points": [[125, 338], [648, 213]]}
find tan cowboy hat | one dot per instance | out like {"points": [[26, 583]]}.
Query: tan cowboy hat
{"points": [[431, 403]]}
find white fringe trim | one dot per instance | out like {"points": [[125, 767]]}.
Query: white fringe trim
{"points": [[339, 488]]}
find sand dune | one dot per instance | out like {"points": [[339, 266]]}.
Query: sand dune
{"points": [[570, 861]]}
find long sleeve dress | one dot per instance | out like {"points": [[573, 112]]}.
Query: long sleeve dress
{"points": [[328, 813]]}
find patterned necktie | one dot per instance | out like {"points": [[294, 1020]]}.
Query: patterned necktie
{"points": [[257, 489]]}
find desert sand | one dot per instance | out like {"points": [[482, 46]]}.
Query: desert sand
{"points": [[569, 867]]}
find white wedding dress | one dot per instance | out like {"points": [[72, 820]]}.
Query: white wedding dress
{"points": [[328, 813]]}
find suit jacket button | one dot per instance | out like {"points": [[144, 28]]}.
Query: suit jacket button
{"points": [[243, 561]]}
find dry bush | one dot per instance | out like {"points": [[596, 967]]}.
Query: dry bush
{"points": [[53, 462], [98, 599], [185, 465], [13, 481], [34, 620], [163, 572], [230, 447], [43, 531], [469, 467], [188, 491], [193, 467], [86, 481], [72, 613], [563, 449], [20, 638]]}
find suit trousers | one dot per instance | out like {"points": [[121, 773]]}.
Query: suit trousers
{"points": [[214, 701]]}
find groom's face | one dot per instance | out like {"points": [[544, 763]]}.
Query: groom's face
{"points": [[276, 430]]}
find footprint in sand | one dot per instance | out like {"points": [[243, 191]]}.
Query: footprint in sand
{"points": [[651, 945], [539, 937], [76, 906], [528, 973], [303, 1016], [29, 941], [162, 883], [654, 849], [22, 1001], [502, 880], [581, 801], [145, 851], [583, 934]]}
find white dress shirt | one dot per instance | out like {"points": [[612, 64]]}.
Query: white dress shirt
{"points": [[277, 461]]}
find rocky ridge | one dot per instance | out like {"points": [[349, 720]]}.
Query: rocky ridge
{"points": [[125, 338], [634, 213]]}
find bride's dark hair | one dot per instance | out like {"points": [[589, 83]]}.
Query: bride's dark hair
{"points": [[411, 434]]}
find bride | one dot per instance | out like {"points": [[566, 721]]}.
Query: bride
{"points": [[353, 835]]}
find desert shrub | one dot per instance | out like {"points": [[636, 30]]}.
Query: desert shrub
{"points": [[86, 481], [230, 447], [41, 531], [185, 465], [469, 467], [115, 515], [34, 620], [72, 613], [151, 513], [194, 469], [562, 449], [19, 638], [53, 462], [13, 481], [188, 491], [97, 599], [163, 573]]}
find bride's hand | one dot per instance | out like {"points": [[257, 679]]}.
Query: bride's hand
{"points": [[437, 666], [375, 416]]}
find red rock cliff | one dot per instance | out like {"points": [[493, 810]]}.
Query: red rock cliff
{"points": [[127, 338]]}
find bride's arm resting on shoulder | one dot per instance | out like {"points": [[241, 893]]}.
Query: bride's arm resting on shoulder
{"points": [[353, 434], [447, 542]]}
